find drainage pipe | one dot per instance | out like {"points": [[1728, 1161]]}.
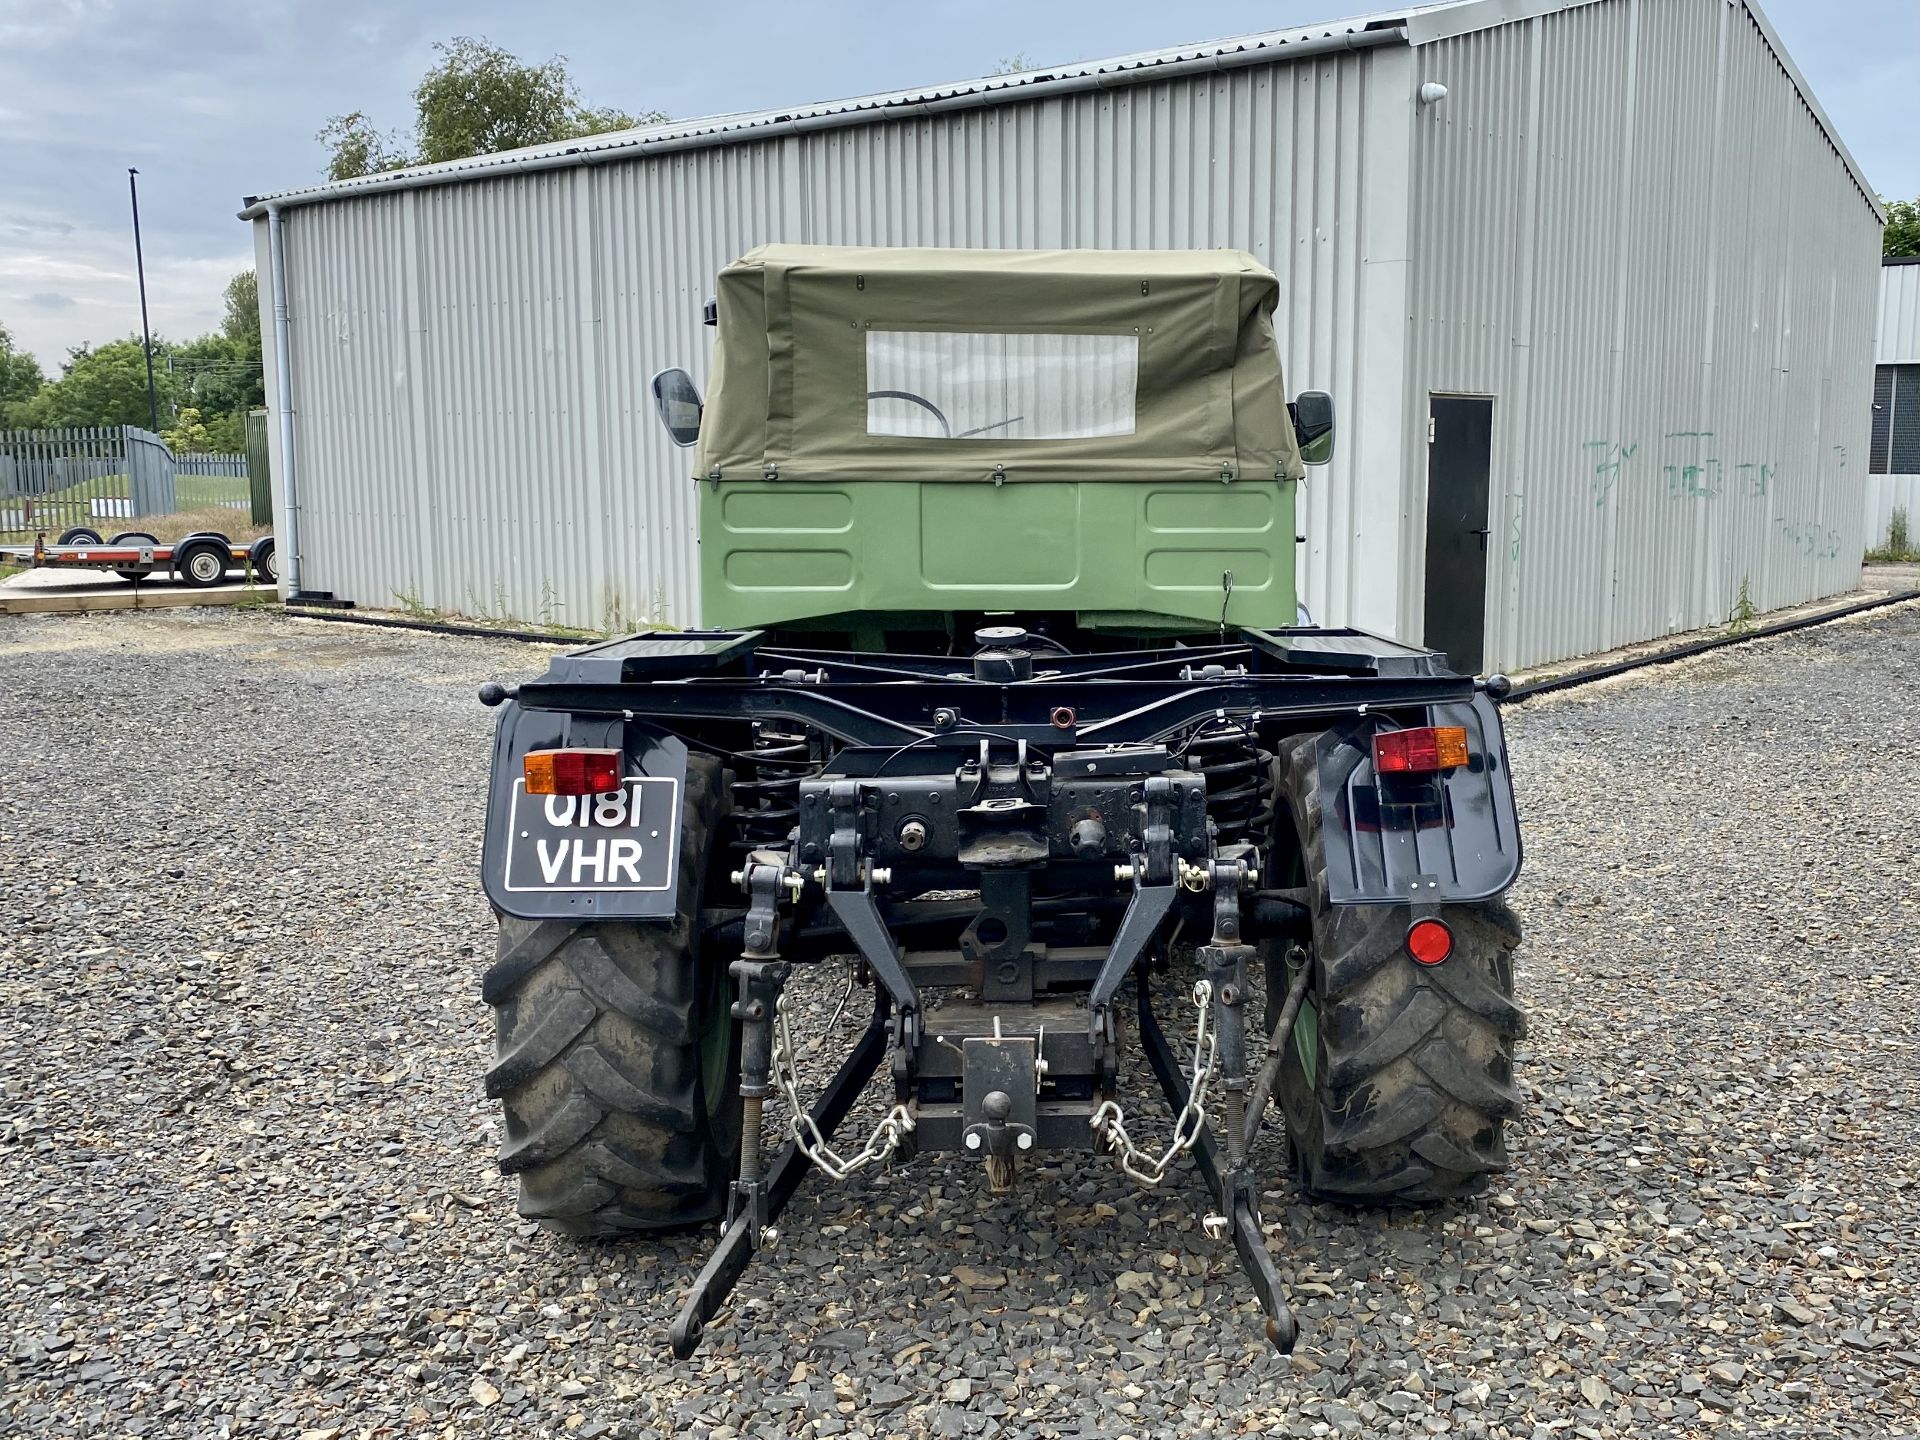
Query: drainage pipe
{"points": [[289, 554]]}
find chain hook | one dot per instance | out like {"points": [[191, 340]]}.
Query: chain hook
{"points": [[1109, 1121]]}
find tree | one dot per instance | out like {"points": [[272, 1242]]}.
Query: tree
{"points": [[104, 386], [1903, 228], [356, 148], [216, 378], [242, 319], [478, 99], [227, 434], [219, 374], [188, 434], [20, 381]]}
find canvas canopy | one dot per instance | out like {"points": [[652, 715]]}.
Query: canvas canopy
{"points": [[845, 363]]}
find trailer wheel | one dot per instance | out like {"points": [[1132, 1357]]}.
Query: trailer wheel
{"points": [[617, 1059], [201, 563], [1398, 1077], [79, 535], [133, 537], [261, 558]]}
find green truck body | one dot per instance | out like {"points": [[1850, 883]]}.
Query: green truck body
{"points": [[904, 432]]}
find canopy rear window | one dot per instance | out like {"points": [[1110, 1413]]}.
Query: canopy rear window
{"points": [[971, 385]]}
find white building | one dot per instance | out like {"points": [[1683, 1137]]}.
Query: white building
{"points": [[1592, 281], [1893, 462]]}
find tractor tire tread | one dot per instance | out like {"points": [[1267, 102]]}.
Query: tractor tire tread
{"points": [[598, 1066], [1413, 1080]]}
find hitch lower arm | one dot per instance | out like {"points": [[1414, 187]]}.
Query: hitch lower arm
{"points": [[742, 1235], [1243, 1221]]}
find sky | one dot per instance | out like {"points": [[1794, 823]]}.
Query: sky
{"points": [[219, 99]]}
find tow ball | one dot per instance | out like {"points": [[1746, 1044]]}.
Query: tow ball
{"points": [[1004, 1072]]}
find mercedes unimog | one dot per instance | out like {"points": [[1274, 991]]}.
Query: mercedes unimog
{"points": [[1003, 698]]}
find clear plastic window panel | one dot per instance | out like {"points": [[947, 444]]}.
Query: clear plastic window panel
{"points": [[955, 385]]}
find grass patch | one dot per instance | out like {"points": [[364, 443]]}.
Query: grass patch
{"points": [[1899, 547], [191, 492], [1741, 617], [201, 502], [236, 525]]}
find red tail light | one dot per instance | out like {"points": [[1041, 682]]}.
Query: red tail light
{"points": [[1419, 751], [1429, 941], [572, 772]]}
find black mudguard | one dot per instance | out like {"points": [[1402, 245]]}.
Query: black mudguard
{"points": [[1452, 837], [561, 882]]}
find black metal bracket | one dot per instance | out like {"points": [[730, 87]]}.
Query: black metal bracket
{"points": [[741, 1237], [1243, 1220], [760, 981]]}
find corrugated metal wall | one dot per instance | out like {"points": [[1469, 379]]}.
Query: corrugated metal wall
{"points": [[1899, 339], [1898, 344], [470, 362], [1629, 229], [1885, 494]]}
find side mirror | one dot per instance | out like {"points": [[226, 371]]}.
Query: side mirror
{"points": [[1313, 425], [677, 399]]}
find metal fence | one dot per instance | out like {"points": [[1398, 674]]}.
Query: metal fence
{"points": [[210, 465], [214, 480], [95, 476], [259, 470]]}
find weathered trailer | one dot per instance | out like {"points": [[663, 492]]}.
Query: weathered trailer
{"points": [[1007, 706], [201, 559]]}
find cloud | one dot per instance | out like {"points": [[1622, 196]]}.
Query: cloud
{"points": [[85, 289], [217, 99], [43, 24]]}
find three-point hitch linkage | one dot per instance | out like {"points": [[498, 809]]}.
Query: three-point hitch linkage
{"points": [[1007, 1079], [1000, 847]]}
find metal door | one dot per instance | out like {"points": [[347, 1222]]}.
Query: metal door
{"points": [[1459, 474]]}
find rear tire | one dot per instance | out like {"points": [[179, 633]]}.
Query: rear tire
{"points": [[262, 562], [616, 1060], [79, 535], [1398, 1077], [133, 537], [202, 564]]}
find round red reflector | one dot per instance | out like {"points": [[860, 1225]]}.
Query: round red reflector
{"points": [[1429, 941]]}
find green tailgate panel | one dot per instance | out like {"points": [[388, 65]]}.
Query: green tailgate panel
{"points": [[776, 552]]}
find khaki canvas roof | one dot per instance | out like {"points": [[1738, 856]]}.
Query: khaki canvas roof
{"points": [[1190, 331]]}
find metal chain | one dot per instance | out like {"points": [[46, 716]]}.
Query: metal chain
{"points": [[1109, 1123], [887, 1136]]}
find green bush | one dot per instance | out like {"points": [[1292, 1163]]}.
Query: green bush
{"points": [[1899, 547]]}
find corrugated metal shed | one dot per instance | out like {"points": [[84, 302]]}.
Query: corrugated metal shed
{"points": [[1680, 410], [1898, 342], [470, 344], [470, 361]]}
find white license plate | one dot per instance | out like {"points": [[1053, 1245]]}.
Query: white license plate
{"points": [[621, 840]]}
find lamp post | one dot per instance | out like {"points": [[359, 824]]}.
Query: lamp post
{"points": [[146, 331]]}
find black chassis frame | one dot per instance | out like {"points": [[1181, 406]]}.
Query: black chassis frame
{"points": [[1013, 765]]}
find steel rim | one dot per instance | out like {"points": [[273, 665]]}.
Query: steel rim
{"points": [[205, 566], [1306, 1038]]}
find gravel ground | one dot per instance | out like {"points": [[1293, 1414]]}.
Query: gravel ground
{"points": [[248, 1167]]}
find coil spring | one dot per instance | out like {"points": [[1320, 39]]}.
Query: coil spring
{"points": [[1239, 798], [766, 788]]}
